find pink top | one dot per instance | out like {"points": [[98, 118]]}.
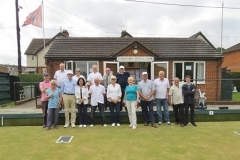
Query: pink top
{"points": [[44, 85]]}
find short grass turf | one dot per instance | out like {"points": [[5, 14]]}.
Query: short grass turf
{"points": [[236, 96], [207, 141]]}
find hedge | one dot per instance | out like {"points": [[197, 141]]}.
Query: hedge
{"points": [[31, 78]]}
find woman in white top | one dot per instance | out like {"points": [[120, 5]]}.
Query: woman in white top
{"points": [[114, 94], [81, 94], [77, 74]]}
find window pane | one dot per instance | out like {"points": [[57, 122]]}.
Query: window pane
{"points": [[178, 70], [200, 71], [188, 69], [83, 68]]}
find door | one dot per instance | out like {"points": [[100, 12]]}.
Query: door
{"points": [[158, 66], [114, 67]]}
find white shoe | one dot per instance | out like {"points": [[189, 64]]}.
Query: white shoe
{"points": [[104, 125], [159, 123], [130, 125], [91, 125], [84, 125], [118, 124], [134, 127], [73, 126], [168, 123], [80, 125], [113, 124], [66, 125]]}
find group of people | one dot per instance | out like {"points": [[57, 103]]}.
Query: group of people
{"points": [[115, 92]]}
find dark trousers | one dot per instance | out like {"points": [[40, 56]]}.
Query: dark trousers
{"points": [[44, 110], [178, 113], [106, 103], [52, 113], [192, 112], [82, 113], [100, 107], [115, 117], [147, 111], [121, 102]]}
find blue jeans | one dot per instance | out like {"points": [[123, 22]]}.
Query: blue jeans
{"points": [[115, 118], [100, 106], [147, 111], [52, 113], [164, 103]]}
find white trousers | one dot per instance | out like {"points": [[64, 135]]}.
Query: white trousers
{"points": [[131, 107]]}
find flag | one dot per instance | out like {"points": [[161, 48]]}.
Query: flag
{"points": [[34, 18]]}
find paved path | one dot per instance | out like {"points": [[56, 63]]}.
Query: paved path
{"points": [[30, 107]]}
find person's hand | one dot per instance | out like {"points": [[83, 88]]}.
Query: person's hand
{"points": [[193, 90], [58, 105], [170, 103], [136, 103]]}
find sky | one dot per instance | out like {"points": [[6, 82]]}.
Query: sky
{"points": [[107, 18]]}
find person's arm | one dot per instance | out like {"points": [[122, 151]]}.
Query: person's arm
{"points": [[62, 87], [86, 96], [137, 92], [170, 96], [48, 95], [108, 93], [42, 89], [119, 93], [103, 90], [60, 99], [100, 78]]}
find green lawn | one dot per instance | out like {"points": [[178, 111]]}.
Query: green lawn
{"points": [[208, 141], [236, 96], [8, 105]]}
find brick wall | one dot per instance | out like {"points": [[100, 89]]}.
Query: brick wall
{"points": [[232, 61], [129, 52]]}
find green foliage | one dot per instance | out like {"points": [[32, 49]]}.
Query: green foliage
{"points": [[31, 79], [237, 76]]}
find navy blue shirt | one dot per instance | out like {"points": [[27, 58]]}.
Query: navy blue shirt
{"points": [[122, 79]]}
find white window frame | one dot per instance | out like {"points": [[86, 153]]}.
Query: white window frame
{"points": [[194, 70], [66, 65], [152, 68]]}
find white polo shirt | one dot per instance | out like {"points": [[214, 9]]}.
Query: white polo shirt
{"points": [[97, 94], [60, 76], [114, 92], [161, 88], [93, 75], [176, 93]]}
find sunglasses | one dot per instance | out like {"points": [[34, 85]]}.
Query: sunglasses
{"points": [[113, 79], [53, 84]]}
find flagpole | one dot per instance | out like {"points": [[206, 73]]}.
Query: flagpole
{"points": [[18, 39], [222, 27]]}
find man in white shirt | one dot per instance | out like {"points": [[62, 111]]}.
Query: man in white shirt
{"points": [[176, 99], [60, 75], [97, 92], [94, 74], [161, 95]]}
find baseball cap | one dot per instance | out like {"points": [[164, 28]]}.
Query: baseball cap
{"points": [[70, 72], [77, 70], [144, 73], [121, 67]]}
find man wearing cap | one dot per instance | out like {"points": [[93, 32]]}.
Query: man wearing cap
{"points": [[44, 102], [77, 74], [106, 81], [94, 74], [146, 92], [60, 75], [122, 80], [68, 90]]}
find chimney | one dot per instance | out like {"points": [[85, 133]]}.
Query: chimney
{"points": [[65, 33]]}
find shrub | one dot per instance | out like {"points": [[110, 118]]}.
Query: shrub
{"points": [[31, 79]]}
